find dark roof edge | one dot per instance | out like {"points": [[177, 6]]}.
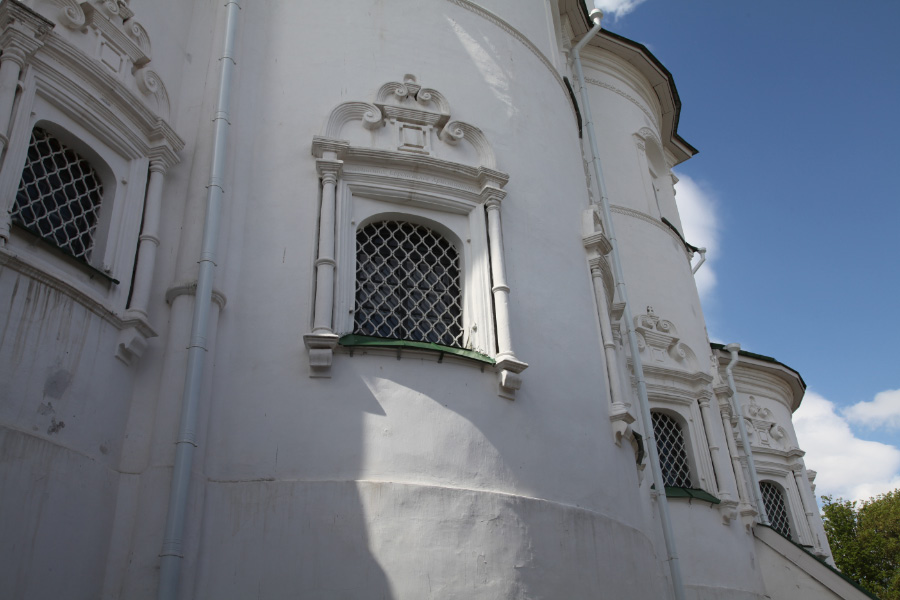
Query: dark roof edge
{"points": [[656, 63], [762, 357]]}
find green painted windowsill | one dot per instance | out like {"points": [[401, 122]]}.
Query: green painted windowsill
{"points": [[691, 494], [353, 340]]}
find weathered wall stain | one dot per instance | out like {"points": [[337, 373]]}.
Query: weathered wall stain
{"points": [[57, 383]]}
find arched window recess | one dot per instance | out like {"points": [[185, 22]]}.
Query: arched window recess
{"points": [[402, 162]]}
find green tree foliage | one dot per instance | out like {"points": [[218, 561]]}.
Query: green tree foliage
{"points": [[865, 541]]}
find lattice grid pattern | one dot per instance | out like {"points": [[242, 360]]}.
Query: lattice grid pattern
{"points": [[407, 284], [773, 500], [672, 453], [59, 196]]}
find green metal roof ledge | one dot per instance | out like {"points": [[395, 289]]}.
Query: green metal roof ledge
{"points": [[353, 340], [694, 494]]}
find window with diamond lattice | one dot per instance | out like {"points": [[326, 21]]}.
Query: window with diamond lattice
{"points": [[773, 500], [672, 452], [407, 284], [59, 196]]}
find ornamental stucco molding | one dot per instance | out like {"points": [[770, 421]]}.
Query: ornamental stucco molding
{"points": [[102, 41], [419, 119], [764, 431]]}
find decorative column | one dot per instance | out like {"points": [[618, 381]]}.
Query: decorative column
{"points": [[322, 341], [746, 507], [727, 485], [22, 35], [618, 409], [133, 338], [508, 366], [149, 240]]}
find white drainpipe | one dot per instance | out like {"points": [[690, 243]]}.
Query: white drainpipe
{"points": [[702, 260], [751, 466], [172, 548], [661, 501]]}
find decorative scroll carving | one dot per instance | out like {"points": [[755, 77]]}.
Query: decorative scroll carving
{"points": [[457, 130], [415, 113], [762, 428], [660, 338], [137, 32], [70, 14], [150, 84]]}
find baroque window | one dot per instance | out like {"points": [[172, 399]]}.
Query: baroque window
{"points": [[673, 457], [410, 243], [407, 284], [85, 145], [776, 509], [59, 196]]}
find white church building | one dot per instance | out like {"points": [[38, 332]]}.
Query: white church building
{"points": [[373, 299]]}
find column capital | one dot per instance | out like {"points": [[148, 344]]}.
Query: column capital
{"points": [[22, 32], [161, 158], [329, 169]]}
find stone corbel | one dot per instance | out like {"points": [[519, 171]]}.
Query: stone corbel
{"points": [[729, 510], [133, 340], [508, 370], [621, 420], [321, 353]]}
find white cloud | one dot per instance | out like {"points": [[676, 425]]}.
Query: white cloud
{"points": [[883, 411], [847, 466], [700, 221], [617, 8]]}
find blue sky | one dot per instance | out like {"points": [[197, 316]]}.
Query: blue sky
{"points": [[796, 190]]}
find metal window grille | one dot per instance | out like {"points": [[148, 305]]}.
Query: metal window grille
{"points": [[672, 454], [773, 500], [59, 196], [407, 284]]}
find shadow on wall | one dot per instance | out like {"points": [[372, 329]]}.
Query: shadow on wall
{"points": [[295, 527]]}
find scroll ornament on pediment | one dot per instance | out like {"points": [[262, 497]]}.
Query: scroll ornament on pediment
{"points": [[659, 339], [418, 117], [762, 428]]}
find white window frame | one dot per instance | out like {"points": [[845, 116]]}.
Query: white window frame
{"points": [[790, 513], [124, 182], [364, 202], [690, 454], [436, 229]]}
